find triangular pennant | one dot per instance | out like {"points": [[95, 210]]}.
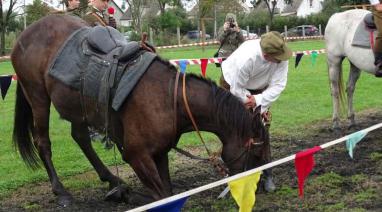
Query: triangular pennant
{"points": [[5, 82], [298, 59], [183, 65], [173, 206], [314, 57], [203, 66], [304, 164], [352, 141], [243, 191]]}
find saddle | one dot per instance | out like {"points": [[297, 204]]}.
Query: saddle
{"points": [[369, 22], [110, 44], [364, 35]]}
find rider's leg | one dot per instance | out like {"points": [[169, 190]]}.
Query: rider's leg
{"points": [[377, 15]]}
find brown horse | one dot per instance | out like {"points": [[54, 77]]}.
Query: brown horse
{"points": [[144, 129]]}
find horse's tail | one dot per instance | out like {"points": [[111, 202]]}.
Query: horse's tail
{"points": [[23, 124]]}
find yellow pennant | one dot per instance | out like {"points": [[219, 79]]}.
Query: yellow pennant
{"points": [[243, 191]]}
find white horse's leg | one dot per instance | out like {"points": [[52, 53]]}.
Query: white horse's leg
{"points": [[353, 77], [335, 69]]}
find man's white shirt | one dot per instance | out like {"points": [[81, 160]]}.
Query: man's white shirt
{"points": [[246, 68]]}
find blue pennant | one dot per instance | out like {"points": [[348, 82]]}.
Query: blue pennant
{"points": [[174, 206]]}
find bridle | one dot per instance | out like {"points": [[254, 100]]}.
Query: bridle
{"points": [[214, 158]]}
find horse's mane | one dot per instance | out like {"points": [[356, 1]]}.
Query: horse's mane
{"points": [[231, 112]]}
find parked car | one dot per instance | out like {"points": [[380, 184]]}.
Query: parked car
{"points": [[194, 34], [249, 36], [310, 30]]}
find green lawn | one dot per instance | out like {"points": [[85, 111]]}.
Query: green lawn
{"points": [[306, 100]]}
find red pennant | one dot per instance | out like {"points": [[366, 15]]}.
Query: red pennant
{"points": [[203, 66], [304, 164]]}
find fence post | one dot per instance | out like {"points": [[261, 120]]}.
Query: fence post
{"points": [[319, 29], [151, 36], [267, 28], [285, 31], [178, 34]]}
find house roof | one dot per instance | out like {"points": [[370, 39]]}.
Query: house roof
{"points": [[127, 16]]}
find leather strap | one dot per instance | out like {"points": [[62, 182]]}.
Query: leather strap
{"points": [[175, 107], [103, 23], [190, 114]]}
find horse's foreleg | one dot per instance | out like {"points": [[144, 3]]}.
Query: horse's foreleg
{"points": [[43, 144], [353, 77], [145, 167], [334, 65], [164, 173], [80, 134]]}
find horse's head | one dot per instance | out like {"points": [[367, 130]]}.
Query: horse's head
{"points": [[242, 152]]}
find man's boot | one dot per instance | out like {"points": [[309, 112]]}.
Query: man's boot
{"points": [[378, 64], [269, 186], [378, 70]]}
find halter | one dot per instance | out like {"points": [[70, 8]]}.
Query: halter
{"points": [[214, 159]]}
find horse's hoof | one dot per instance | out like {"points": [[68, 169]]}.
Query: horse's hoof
{"points": [[117, 194], [136, 198], [65, 201]]}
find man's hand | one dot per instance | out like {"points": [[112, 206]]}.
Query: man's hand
{"points": [[251, 102], [226, 26], [112, 22]]}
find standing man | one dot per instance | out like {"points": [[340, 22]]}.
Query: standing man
{"points": [[377, 15], [96, 15], [229, 36], [257, 74]]}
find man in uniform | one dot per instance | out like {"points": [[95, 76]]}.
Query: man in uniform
{"points": [[377, 15], [96, 15], [256, 73], [72, 7]]}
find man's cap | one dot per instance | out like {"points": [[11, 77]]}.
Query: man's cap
{"points": [[273, 44], [230, 16]]}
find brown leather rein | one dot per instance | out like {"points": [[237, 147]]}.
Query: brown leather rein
{"points": [[214, 158]]}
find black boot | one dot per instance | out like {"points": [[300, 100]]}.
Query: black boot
{"points": [[378, 64], [378, 70], [269, 186]]}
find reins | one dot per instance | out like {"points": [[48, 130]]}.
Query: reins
{"points": [[213, 158]]}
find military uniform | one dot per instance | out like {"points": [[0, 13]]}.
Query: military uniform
{"points": [[230, 39], [74, 12], [377, 15], [95, 17]]}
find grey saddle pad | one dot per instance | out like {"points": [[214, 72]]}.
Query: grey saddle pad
{"points": [[74, 64], [362, 36]]}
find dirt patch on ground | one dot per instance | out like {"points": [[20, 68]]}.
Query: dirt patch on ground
{"points": [[337, 182]]}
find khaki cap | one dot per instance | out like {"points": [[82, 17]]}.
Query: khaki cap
{"points": [[273, 44]]}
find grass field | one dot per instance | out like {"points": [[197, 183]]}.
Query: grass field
{"points": [[306, 100]]}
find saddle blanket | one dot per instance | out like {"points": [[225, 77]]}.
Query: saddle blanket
{"points": [[362, 36], [95, 74]]}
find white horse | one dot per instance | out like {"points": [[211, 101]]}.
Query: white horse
{"points": [[339, 34]]}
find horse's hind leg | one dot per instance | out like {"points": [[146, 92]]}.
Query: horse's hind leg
{"points": [[353, 77], [80, 134], [40, 103], [335, 69]]}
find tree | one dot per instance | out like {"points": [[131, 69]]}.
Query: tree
{"points": [[271, 5], [36, 11], [5, 17], [136, 7]]}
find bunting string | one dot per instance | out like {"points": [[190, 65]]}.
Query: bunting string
{"points": [[217, 42], [244, 174], [176, 62]]}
